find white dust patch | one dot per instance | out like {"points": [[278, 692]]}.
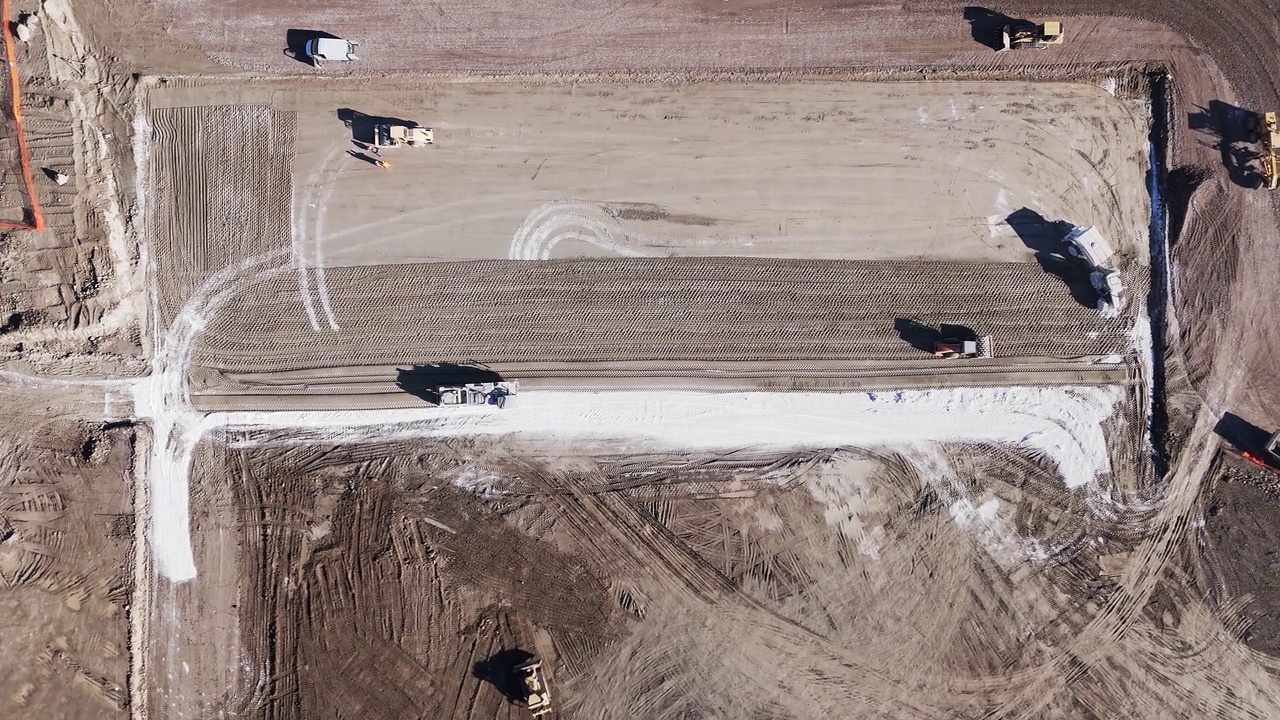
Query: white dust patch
{"points": [[162, 399], [998, 223], [1063, 423], [1140, 343], [568, 221], [851, 503], [986, 521]]}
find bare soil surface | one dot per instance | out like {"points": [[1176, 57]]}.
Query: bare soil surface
{"points": [[661, 584], [403, 580], [66, 568], [979, 171], [634, 309]]}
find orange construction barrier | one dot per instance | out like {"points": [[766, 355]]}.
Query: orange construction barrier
{"points": [[37, 219]]}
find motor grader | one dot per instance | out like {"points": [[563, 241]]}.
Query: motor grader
{"points": [[1025, 35]]}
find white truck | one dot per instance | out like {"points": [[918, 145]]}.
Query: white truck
{"points": [[335, 49], [1088, 244], [489, 393]]}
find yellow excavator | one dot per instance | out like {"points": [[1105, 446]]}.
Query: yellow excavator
{"points": [[1024, 35], [1269, 137]]}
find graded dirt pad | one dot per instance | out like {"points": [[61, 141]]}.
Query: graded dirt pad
{"points": [[676, 309], [960, 582], [832, 170], [66, 542], [529, 170], [219, 176]]}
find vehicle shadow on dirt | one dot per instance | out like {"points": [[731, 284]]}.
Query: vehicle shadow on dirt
{"points": [[1044, 238], [986, 25], [363, 126], [922, 336], [295, 42], [425, 381], [499, 670], [1232, 131], [1242, 434]]}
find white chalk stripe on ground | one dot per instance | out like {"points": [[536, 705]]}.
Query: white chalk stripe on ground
{"points": [[1064, 423]]}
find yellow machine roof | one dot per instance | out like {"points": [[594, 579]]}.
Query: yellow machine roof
{"points": [[1053, 28]]}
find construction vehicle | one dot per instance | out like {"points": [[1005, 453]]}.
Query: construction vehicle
{"points": [[1024, 35], [536, 696], [490, 393], [1088, 245], [1269, 455], [952, 349], [334, 49], [1269, 137], [397, 134]]}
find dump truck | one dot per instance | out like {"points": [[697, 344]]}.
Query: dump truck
{"points": [[1269, 138], [1024, 35], [490, 393], [334, 49], [536, 696], [397, 134], [952, 349], [1088, 245], [1269, 456]]}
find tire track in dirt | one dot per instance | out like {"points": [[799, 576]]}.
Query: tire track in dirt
{"points": [[665, 309], [650, 550]]}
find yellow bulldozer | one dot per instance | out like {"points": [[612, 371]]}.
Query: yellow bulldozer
{"points": [[1269, 138], [1024, 35], [537, 698]]}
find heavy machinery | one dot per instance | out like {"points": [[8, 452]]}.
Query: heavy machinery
{"points": [[952, 349], [1269, 456], [489, 393], [1024, 35], [397, 134], [536, 696], [1269, 137], [335, 49], [1088, 244]]}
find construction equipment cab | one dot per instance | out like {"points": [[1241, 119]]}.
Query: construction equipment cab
{"points": [[1023, 35], [393, 135], [536, 696], [952, 349], [334, 49]]}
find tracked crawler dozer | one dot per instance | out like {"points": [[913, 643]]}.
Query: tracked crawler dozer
{"points": [[1030, 36], [536, 696]]}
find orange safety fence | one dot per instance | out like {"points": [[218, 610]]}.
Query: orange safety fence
{"points": [[37, 219]]}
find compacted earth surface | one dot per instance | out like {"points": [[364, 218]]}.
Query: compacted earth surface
{"points": [[717, 244]]}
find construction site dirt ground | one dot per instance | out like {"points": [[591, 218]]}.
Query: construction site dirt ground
{"points": [[816, 169], [66, 561], [778, 188], [869, 182], [655, 581]]}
